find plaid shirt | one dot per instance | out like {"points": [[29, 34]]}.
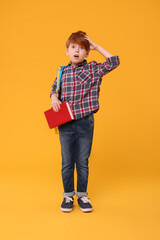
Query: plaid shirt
{"points": [[80, 85]]}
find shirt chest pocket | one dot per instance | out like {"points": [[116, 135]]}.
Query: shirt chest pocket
{"points": [[84, 77]]}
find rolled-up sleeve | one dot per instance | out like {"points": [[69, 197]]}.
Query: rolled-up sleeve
{"points": [[107, 66], [54, 87]]}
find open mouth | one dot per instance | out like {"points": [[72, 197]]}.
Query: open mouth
{"points": [[76, 56]]}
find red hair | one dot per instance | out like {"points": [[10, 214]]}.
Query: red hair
{"points": [[79, 38]]}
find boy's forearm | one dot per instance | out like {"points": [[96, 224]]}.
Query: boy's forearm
{"points": [[104, 52]]}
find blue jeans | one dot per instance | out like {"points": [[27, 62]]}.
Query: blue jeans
{"points": [[76, 142]]}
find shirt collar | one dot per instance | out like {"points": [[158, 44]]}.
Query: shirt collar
{"points": [[79, 65]]}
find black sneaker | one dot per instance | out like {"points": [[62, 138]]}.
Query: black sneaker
{"points": [[67, 204], [84, 204]]}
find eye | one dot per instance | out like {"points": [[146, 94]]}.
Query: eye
{"points": [[72, 46], [82, 47]]}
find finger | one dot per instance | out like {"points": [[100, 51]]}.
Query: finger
{"points": [[87, 38], [54, 106], [57, 106], [54, 103], [55, 109]]}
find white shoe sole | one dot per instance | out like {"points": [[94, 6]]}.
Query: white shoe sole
{"points": [[66, 209], [86, 209]]}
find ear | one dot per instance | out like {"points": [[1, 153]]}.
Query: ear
{"points": [[87, 54], [67, 52]]}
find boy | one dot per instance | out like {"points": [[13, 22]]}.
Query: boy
{"points": [[80, 86]]}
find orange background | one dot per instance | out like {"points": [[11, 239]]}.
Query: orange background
{"points": [[124, 163]]}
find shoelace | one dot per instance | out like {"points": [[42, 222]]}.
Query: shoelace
{"points": [[85, 199], [68, 199]]}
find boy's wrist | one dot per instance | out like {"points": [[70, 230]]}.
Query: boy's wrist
{"points": [[54, 95]]}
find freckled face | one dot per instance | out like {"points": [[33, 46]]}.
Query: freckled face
{"points": [[77, 53]]}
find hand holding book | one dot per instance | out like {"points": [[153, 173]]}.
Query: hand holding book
{"points": [[60, 117], [55, 102]]}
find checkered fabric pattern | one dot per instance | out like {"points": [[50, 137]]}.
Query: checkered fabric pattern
{"points": [[80, 85]]}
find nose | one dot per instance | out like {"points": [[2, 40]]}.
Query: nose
{"points": [[77, 49]]}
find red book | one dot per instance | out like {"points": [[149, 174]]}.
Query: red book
{"points": [[64, 115]]}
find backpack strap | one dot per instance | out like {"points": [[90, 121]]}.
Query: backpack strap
{"points": [[59, 75]]}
